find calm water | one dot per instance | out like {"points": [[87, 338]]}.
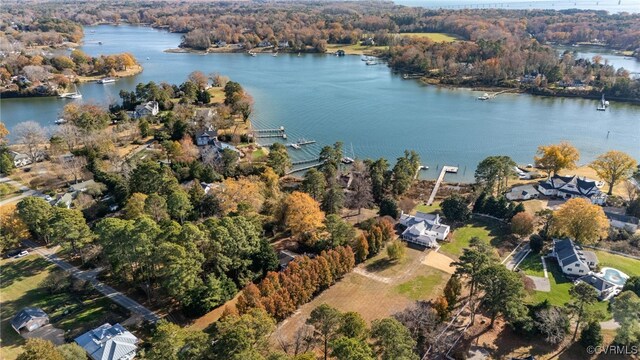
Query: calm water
{"points": [[328, 98], [612, 6], [588, 52]]}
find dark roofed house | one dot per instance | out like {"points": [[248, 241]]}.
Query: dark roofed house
{"points": [[573, 260], [206, 137], [568, 187], [29, 319], [285, 257], [629, 223], [150, 108], [606, 290]]}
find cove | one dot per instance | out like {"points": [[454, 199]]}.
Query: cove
{"points": [[378, 114]]}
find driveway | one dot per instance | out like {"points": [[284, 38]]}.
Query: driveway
{"points": [[540, 283], [90, 276]]}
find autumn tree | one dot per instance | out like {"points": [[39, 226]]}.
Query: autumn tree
{"points": [[245, 191], [614, 166], [303, 216], [522, 224], [553, 158], [396, 250], [38, 349], [581, 220], [13, 230]]}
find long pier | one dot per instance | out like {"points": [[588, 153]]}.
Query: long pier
{"points": [[276, 130], [305, 161], [443, 172], [303, 168], [264, 136]]}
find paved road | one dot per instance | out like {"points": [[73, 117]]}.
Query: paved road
{"points": [[90, 276], [25, 191]]}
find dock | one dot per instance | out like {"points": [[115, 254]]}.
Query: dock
{"points": [[264, 136], [263, 131], [300, 143], [305, 161], [304, 168], [443, 172]]}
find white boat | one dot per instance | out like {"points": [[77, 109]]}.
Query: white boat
{"points": [[107, 80], [370, 62], [60, 121], [251, 53], [603, 104], [73, 95], [423, 167], [275, 54], [484, 96], [347, 160], [295, 146], [298, 54]]}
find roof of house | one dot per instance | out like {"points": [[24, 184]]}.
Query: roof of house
{"points": [[207, 133], [623, 218], [285, 257], [81, 186], [27, 314], [108, 342], [148, 106], [597, 282], [572, 185], [568, 253]]}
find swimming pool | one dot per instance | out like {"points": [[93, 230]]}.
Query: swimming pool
{"points": [[614, 276]]}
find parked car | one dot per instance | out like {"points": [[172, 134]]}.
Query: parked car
{"points": [[12, 253], [22, 253]]}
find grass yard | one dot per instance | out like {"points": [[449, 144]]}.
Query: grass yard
{"points": [[21, 286], [379, 289], [436, 37], [532, 265], [627, 265], [422, 287], [486, 230], [428, 208], [559, 294]]}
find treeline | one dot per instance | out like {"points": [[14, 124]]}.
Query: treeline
{"points": [[312, 25]]}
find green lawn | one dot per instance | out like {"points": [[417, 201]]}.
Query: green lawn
{"points": [[436, 37], [627, 265], [421, 287], [532, 265], [559, 294], [428, 208], [355, 49], [486, 230], [21, 286]]}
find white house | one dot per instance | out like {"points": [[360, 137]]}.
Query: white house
{"points": [[150, 108], [573, 260], [605, 289], [19, 159], [619, 221], [423, 229], [524, 192], [568, 187], [109, 342]]}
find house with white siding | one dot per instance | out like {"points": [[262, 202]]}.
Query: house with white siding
{"points": [[573, 260], [568, 187], [423, 229]]}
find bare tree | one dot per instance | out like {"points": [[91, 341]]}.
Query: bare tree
{"points": [[70, 135], [554, 323], [360, 195], [74, 166], [303, 341], [32, 136], [35, 73], [631, 189], [218, 80]]}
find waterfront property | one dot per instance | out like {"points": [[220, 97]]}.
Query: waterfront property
{"points": [[150, 108], [573, 260], [524, 192], [109, 342], [423, 229], [568, 187]]}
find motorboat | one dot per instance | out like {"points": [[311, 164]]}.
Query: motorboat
{"points": [[107, 80]]}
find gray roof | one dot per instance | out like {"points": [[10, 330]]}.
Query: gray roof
{"points": [[24, 316], [622, 218], [568, 253], [597, 282], [108, 342]]}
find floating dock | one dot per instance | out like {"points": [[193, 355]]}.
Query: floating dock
{"points": [[306, 161]]}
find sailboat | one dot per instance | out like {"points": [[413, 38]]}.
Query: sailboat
{"points": [[603, 104], [76, 94]]}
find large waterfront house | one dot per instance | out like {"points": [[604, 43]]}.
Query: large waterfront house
{"points": [[568, 187], [150, 108], [423, 229], [109, 342], [573, 260]]}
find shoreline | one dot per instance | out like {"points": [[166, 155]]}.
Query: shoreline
{"points": [[131, 71]]}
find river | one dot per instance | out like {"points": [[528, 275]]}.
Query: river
{"points": [[373, 111]]}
